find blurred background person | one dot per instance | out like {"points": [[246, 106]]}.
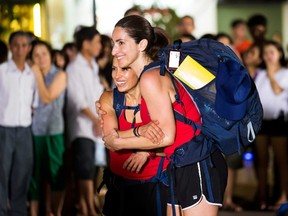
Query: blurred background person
{"points": [[252, 59], [272, 85], [84, 88], [187, 37], [104, 60], [239, 35], [58, 59], [3, 52], [135, 10], [228, 41], [185, 26], [48, 129], [69, 51], [17, 93], [257, 26], [209, 36]]}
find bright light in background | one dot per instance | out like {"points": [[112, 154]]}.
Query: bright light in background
{"points": [[37, 19], [204, 12]]}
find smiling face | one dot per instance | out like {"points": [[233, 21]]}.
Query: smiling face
{"points": [[125, 49], [124, 78]]}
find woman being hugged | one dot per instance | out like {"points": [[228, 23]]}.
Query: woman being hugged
{"points": [[199, 188], [132, 185]]}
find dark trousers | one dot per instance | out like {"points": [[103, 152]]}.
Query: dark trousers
{"points": [[16, 164]]}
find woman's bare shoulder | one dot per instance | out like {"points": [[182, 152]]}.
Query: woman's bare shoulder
{"points": [[106, 96]]}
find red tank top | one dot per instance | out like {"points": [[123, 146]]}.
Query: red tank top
{"points": [[118, 158], [184, 132]]}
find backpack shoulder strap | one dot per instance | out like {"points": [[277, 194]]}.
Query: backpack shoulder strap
{"points": [[119, 104], [118, 101], [151, 66]]}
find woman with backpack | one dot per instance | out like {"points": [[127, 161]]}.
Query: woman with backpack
{"points": [[198, 188]]}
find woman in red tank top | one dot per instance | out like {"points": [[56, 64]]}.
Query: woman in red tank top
{"points": [[133, 191]]}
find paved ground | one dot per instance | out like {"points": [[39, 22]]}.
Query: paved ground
{"points": [[247, 213]]}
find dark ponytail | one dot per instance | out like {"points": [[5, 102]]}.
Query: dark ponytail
{"points": [[138, 28]]}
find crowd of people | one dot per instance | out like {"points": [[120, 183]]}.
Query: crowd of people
{"points": [[52, 136]]}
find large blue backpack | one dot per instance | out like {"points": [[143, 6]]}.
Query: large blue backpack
{"points": [[229, 105]]}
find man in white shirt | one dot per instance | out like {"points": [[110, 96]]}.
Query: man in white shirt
{"points": [[17, 89], [83, 89]]}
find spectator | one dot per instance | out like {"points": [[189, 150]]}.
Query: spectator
{"points": [[48, 129], [257, 26], [104, 61], [58, 59], [239, 35], [209, 36], [3, 52], [135, 10], [252, 59], [84, 88], [272, 85], [186, 26], [69, 51], [17, 91], [227, 40], [187, 37]]}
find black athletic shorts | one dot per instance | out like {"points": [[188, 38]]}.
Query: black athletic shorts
{"points": [[125, 198], [205, 178], [83, 158], [277, 127]]}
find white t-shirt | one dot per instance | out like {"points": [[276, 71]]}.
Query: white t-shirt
{"points": [[17, 94], [83, 89], [273, 104]]}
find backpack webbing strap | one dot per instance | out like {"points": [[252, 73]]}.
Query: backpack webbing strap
{"points": [[159, 179], [118, 105], [171, 183], [180, 116], [118, 101], [207, 178]]}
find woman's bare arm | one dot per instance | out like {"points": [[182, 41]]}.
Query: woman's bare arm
{"points": [[156, 91], [51, 92]]}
